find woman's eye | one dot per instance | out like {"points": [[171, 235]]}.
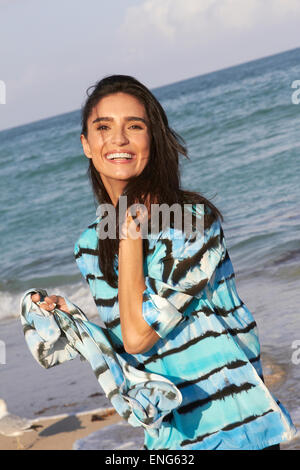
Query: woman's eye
{"points": [[103, 127]]}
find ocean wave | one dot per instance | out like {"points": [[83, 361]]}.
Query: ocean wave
{"points": [[80, 295]]}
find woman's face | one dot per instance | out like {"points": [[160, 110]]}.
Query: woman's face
{"points": [[117, 130]]}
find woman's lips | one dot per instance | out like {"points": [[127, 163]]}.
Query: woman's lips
{"points": [[120, 160]]}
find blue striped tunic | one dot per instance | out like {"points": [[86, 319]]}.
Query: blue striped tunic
{"points": [[208, 347]]}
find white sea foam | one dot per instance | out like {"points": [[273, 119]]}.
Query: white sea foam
{"points": [[118, 436], [77, 293]]}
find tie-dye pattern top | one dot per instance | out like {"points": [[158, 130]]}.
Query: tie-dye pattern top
{"points": [[208, 346]]}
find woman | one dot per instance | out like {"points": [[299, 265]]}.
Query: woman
{"points": [[169, 300]]}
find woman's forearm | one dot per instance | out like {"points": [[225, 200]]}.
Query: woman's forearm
{"points": [[137, 335]]}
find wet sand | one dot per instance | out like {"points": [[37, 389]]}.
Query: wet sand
{"points": [[60, 433]]}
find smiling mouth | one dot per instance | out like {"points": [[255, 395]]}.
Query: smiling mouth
{"points": [[122, 156]]}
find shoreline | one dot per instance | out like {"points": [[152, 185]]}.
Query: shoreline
{"points": [[61, 431], [63, 399]]}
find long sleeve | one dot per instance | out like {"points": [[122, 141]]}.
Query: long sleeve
{"points": [[141, 398], [45, 339], [179, 271], [43, 336], [80, 261], [211, 360]]}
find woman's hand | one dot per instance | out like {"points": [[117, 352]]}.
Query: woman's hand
{"points": [[51, 302], [131, 229]]}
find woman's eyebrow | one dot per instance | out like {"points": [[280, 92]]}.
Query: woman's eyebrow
{"points": [[127, 118], [135, 118]]}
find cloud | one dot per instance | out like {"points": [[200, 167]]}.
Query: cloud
{"points": [[170, 40], [184, 20]]}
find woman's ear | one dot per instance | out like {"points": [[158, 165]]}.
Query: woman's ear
{"points": [[85, 146]]}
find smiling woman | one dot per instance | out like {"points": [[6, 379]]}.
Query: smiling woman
{"points": [[120, 151], [117, 141], [175, 325]]}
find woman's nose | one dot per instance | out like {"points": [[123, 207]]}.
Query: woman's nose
{"points": [[119, 137]]}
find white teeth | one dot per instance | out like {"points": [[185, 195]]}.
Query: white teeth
{"points": [[113, 156]]}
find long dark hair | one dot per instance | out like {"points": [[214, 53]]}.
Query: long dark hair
{"points": [[160, 179]]}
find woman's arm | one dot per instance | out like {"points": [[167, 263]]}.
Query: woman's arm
{"points": [[138, 336], [180, 270], [151, 307]]}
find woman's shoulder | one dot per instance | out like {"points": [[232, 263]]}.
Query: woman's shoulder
{"points": [[198, 232], [191, 223]]}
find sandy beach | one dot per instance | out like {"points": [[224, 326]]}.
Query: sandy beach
{"points": [[60, 432], [65, 400], [69, 406]]}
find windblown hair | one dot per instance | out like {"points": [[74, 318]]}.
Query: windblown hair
{"points": [[160, 179]]}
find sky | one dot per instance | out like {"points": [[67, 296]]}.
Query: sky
{"points": [[51, 51]]}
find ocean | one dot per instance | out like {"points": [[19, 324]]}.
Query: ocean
{"points": [[242, 132]]}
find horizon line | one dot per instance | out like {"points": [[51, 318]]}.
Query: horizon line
{"points": [[155, 88]]}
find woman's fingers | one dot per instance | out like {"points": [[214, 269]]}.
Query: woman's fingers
{"points": [[50, 302], [61, 304], [35, 297]]}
